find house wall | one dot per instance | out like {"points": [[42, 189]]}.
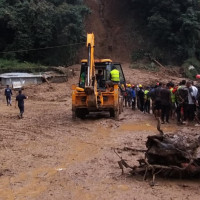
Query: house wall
{"points": [[24, 81]]}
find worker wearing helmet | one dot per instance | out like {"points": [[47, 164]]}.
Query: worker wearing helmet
{"points": [[133, 96], [128, 91], [146, 100], [140, 95]]}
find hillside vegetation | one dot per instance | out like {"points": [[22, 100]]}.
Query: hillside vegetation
{"points": [[38, 24], [168, 30], [173, 27]]}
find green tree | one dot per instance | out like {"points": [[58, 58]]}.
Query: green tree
{"points": [[33, 24], [173, 25]]}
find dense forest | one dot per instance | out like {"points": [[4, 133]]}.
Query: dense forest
{"points": [[172, 28], [38, 24]]}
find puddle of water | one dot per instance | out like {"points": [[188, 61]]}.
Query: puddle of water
{"points": [[33, 183], [137, 127], [145, 126]]}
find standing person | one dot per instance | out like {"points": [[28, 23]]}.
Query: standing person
{"points": [[157, 101], [182, 102], [191, 106], [129, 94], [138, 100], [8, 94], [195, 89], [173, 100], [124, 94], [165, 96], [133, 95], [146, 100], [198, 103], [114, 75], [152, 97], [141, 98], [20, 99]]}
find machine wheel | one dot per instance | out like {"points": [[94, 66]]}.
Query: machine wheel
{"points": [[81, 113], [114, 114]]}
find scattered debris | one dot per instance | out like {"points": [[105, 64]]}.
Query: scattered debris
{"points": [[173, 155]]}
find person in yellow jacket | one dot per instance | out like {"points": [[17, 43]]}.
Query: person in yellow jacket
{"points": [[114, 75], [146, 100]]}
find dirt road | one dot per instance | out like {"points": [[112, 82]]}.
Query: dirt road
{"points": [[47, 156]]}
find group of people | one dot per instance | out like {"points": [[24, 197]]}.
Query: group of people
{"points": [[167, 101], [19, 99]]}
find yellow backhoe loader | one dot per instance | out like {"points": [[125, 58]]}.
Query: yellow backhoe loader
{"points": [[93, 93]]}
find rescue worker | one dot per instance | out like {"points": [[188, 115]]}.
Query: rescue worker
{"points": [[114, 78], [99, 78], [191, 106], [82, 79], [157, 101], [152, 96], [141, 98], [114, 75], [173, 100], [198, 103], [165, 96], [20, 99], [182, 102], [138, 101], [129, 94], [8, 94], [146, 100], [123, 89], [133, 96]]}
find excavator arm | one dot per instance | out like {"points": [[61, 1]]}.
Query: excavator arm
{"points": [[91, 84], [91, 65]]}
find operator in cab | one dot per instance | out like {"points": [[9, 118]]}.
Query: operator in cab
{"points": [[114, 75], [99, 78]]}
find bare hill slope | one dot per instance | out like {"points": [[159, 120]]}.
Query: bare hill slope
{"points": [[115, 36]]}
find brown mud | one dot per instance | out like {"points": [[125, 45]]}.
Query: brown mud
{"points": [[48, 156]]}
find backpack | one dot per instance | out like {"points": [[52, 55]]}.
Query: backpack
{"points": [[182, 95]]}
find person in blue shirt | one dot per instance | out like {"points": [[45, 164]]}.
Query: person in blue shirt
{"points": [[20, 99], [133, 96], [8, 94]]}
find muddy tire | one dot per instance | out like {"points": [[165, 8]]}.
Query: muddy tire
{"points": [[114, 114], [81, 113]]}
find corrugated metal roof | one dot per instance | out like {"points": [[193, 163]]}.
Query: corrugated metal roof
{"points": [[19, 75]]}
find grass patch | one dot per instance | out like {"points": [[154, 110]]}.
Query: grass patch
{"points": [[16, 66]]}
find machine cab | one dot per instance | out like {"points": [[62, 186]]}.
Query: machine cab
{"points": [[102, 72]]}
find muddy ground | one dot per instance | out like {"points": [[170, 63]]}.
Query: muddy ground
{"points": [[47, 156]]}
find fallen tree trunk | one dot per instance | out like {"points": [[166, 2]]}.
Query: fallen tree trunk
{"points": [[172, 155]]}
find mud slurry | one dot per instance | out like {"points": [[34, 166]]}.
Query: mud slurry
{"points": [[48, 156]]}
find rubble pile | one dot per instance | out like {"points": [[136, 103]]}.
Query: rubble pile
{"points": [[172, 155]]}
